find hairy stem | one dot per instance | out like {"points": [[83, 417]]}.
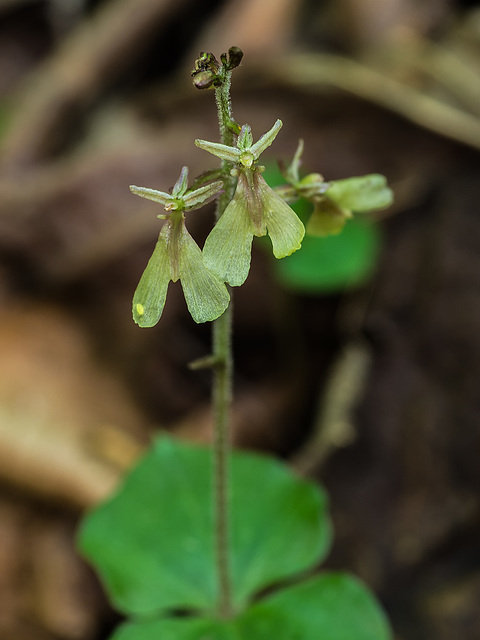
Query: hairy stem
{"points": [[222, 97], [222, 390], [221, 449]]}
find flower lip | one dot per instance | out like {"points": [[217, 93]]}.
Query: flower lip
{"points": [[177, 257], [255, 210]]}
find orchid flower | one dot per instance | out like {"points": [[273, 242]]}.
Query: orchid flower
{"points": [[254, 210], [334, 202], [177, 257]]}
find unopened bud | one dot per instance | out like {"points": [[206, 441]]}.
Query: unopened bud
{"points": [[235, 55], [205, 73], [204, 79]]}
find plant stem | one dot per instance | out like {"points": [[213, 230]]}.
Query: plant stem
{"points": [[221, 450], [222, 390]]}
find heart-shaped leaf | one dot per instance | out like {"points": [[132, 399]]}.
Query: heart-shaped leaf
{"points": [[331, 606], [153, 543]]}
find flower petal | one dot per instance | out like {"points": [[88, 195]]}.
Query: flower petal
{"points": [[327, 218], [245, 138], [202, 195], [222, 151], [361, 194], [284, 227], [181, 184], [266, 140], [228, 248], [151, 292], [151, 194], [206, 296]]}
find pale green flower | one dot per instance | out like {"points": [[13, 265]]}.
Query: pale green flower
{"points": [[334, 202], [177, 257], [327, 218], [254, 210]]}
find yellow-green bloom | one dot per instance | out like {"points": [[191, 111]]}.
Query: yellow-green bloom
{"points": [[254, 210], [177, 257], [327, 218], [334, 202]]}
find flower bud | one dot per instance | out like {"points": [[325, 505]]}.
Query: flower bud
{"points": [[205, 73], [235, 55]]}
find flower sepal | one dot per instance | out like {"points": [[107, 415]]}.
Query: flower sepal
{"points": [[245, 154], [181, 198]]}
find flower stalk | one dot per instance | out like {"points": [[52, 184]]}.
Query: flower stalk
{"points": [[222, 383], [222, 394]]}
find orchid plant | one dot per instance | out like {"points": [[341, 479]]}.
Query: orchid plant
{"points": [[190, 542]]}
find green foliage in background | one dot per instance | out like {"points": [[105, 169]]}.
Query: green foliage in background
{"points": [[325, 265]]}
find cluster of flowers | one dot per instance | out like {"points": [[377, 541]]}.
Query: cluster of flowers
{"points": [[254, 210]]}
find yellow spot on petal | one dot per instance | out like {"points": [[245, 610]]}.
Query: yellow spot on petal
{"points": [[140, 309]]}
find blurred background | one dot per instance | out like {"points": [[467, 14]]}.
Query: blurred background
{"points": [[358, 361]]}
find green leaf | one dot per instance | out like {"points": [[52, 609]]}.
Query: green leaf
{"points": [[279, 522], [152, 542], [332, 263], [331, 606], [179, 629], [361, 194]]}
